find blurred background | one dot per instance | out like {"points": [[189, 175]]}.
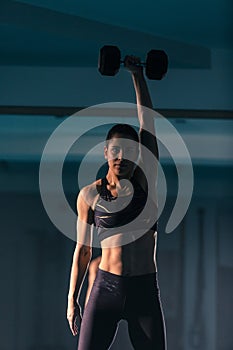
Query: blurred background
{"points": [[48, 68]]}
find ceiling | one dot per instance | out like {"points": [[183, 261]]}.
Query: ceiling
{"points": [[70, 32]]}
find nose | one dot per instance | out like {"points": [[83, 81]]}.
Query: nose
{"points": [[120, 154]]}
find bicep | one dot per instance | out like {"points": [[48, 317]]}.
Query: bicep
{"points": [[84, 221], [146, 171], [148, 141]]}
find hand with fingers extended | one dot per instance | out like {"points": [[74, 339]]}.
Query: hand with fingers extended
{"points": [[74, 316], [133, 64]]}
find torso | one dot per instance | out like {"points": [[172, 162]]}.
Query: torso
{"points": [[119, 256], [133, 259]]}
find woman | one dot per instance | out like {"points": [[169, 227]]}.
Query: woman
{"points": [[126, 285]]}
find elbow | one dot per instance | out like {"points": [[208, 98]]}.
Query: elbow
{"points": [[83, 251]]}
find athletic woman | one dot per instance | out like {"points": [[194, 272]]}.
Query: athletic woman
{"points": [[125, 286]]}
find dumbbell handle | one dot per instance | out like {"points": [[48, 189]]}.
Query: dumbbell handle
{"points": [[141, 64]]}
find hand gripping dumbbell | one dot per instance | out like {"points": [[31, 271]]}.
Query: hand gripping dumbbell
{"points": [[110, 60]]}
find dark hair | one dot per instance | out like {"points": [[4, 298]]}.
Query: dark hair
{"points": [[123, 129]]}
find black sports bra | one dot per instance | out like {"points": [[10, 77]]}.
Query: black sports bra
{"points": [[114, 212]]}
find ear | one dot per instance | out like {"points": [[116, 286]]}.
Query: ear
{"points": [[105, 152]]}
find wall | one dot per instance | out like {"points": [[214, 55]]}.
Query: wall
{"points": [[62, 86]]}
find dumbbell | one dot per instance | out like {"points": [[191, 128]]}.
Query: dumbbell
{"points": [[110, 60]]}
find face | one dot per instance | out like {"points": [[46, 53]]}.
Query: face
{"points": [[121, 154]]}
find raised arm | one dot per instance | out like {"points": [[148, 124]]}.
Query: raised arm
{"points": [[81, 259], [147, 136]]}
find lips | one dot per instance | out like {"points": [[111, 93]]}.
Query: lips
{"points": [[122, 165]]}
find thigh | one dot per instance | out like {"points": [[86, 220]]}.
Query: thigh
{"points": [[101, 316], [147, 331], [145, 317]]}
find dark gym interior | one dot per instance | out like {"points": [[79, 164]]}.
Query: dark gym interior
{"points": [[48, 67]]}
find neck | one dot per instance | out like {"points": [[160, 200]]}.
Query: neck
{"points": [[114, 180]]}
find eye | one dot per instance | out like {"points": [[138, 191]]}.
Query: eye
{"points": [[115, 150]]}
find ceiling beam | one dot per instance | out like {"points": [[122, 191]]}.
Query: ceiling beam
{"points": [[66, 111]]}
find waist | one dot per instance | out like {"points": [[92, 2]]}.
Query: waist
{"points": [[130, 260], [125, 278]]}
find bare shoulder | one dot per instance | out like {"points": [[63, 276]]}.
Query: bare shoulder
{"points": [[88, 195]]}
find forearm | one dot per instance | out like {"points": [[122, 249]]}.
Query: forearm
{"points": [[81, 259], [144, 108], [141, 89], [145, 115]]}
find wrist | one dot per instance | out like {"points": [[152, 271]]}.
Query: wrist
{"points": [[72, 303], [138, 75]]}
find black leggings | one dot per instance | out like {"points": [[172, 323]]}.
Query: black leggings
{"points": [[135, 299]]}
